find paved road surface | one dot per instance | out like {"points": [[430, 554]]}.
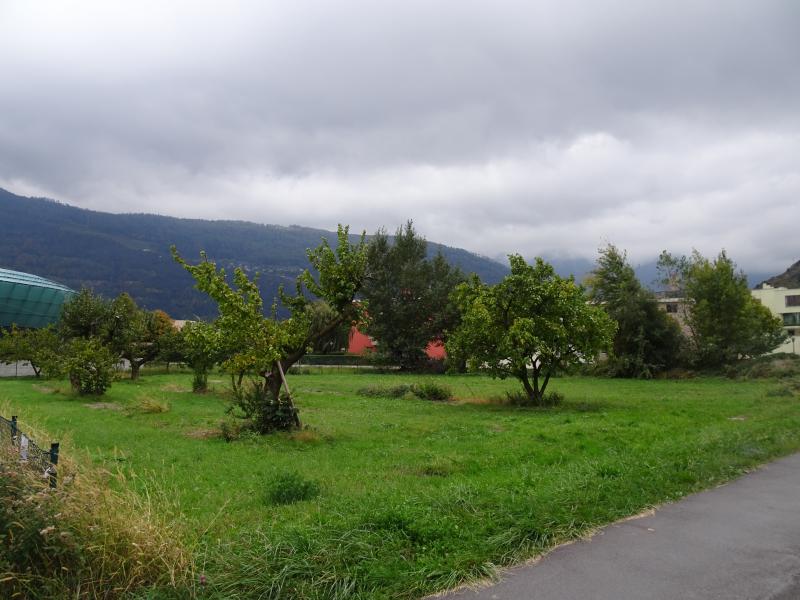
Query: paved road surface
{"points": [[738, 541]]}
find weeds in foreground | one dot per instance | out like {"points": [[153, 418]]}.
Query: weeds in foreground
{"points": [[149, 405], [81, 539], [291, 487], [418, 496]]}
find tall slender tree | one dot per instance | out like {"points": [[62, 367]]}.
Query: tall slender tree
{"points": [[647, 340], [408, 296]]}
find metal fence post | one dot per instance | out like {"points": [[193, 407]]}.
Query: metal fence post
{"points": [[53, 462]]}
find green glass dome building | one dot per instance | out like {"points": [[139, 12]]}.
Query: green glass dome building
{"points": [[29, 300]]}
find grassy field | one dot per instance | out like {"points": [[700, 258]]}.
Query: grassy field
{"points": [[414, 496]]}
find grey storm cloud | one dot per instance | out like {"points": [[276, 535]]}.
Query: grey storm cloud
{"points": [[534, 127]]}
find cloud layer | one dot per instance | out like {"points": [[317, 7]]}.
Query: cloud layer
{"points": [[537, 127]]}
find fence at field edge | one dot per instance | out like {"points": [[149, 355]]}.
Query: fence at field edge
{"points": [[29, 451]]}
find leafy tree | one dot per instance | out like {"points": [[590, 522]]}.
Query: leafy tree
{"points": [[128, 331], [266, 346], [531, 325], [408, 296], [321, 314], [202, 348], [726, 322], [647, 339], [171, 347], [87, 363], [134, 334], [38, 347], [86, 315]]}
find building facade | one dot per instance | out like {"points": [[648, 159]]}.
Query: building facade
{"points": [[785, 303]]}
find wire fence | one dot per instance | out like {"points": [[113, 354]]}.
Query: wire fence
{"points": [[30, 453]]}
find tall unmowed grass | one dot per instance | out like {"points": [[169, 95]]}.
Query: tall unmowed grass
{"points": [[84, 539]]}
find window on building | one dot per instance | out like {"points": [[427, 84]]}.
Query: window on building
{"points": [[793, 300], [791, 318], [672, 307]]}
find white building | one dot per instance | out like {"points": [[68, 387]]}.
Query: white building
{"points": [[785, 303]]}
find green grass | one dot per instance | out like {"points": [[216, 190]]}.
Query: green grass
{"points": [[413, 496]]}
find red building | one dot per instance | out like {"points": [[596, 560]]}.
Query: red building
{"points": [[360, 343]]}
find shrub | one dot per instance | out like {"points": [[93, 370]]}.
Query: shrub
{"points": [[291, 487], [385, 391], [231, 430], [782, 391], [89, 366], [424, 391], [262, 412], [781, 365], [432, 391]]}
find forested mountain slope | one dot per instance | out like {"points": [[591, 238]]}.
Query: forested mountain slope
{"points": [[112, 253]]}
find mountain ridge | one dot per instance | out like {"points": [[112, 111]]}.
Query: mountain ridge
{"points": [[112, 253], [790, 278], [116, 252]]}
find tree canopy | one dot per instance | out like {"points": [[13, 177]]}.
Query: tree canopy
{"points": [[726, 322], [266, 346], [647, 340], [408, 296], [530, 326]]}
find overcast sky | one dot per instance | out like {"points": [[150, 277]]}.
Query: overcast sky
{"points": [[534, 127]]}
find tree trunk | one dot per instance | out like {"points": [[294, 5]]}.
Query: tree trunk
{"points": [[527, 385], [276, 381], [237, 387], [273, 383], [200, 381], [135, 366], [535, 395], [544, 384]]}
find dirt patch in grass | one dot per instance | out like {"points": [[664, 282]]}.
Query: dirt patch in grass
{"points": [[103, 406], [174, 387], [479, 401], [204, 434], [45, 389]]}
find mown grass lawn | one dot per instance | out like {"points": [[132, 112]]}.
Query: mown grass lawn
{"points": [[416, 496]]}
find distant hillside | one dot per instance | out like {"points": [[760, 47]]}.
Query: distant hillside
{"points": [[114, 253], [789, 278]]}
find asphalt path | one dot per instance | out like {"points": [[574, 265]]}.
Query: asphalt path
{"points": [[738, 541]]}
